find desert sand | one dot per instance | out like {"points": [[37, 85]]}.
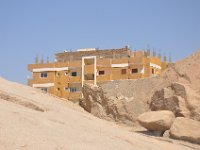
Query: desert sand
{"points": [[32, 120]]}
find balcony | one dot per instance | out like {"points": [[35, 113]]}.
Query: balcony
{"points": [[89, 69]]}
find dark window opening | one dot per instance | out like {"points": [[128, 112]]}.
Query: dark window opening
{"points": [[43, 75], [66, 89], [152, 71], [135, 70], [102, 72], [44, 89], [74, 74], [123, 71], [74, 89]]}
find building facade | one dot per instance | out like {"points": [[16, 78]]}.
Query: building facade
{"points": [[66, 76]]}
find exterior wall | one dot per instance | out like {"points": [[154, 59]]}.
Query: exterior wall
{"points": [[116, 73], [106, 53], [64, 79]]}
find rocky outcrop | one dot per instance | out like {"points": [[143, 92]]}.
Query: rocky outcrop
{"points": [[185, 129], [169, 98], [118, 108], [178, 98], [156, 120], [177, 89], [124, 100]]}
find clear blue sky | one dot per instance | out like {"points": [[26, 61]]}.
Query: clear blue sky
{"points": [[44, 27]]}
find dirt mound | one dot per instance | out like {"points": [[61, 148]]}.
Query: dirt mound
{"points": [[124, 100]]}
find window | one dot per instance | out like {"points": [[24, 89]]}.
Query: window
{"points": [[74, 89], [135, 70], [102, 72], [43, 75], [44, 89], [152, 71], [66, 89], [74, 74], [123, 71]]}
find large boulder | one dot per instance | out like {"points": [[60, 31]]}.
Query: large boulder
{"points": [[185, 129], [157, 120]]}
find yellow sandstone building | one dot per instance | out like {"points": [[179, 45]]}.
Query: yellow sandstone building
{"points": [[71, 70]]}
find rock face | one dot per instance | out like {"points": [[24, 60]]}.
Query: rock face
{"points": [[177, 89], [123, 100], [185, 129], [178, 98], [118, 108], [171, 98], [157, 120]]}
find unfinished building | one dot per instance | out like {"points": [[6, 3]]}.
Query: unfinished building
{"points": [[66, 76]]}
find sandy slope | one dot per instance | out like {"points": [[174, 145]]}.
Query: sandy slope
{"points": [[32, 120]]}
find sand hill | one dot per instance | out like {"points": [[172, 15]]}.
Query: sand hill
{"points": [[32, 120]]}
